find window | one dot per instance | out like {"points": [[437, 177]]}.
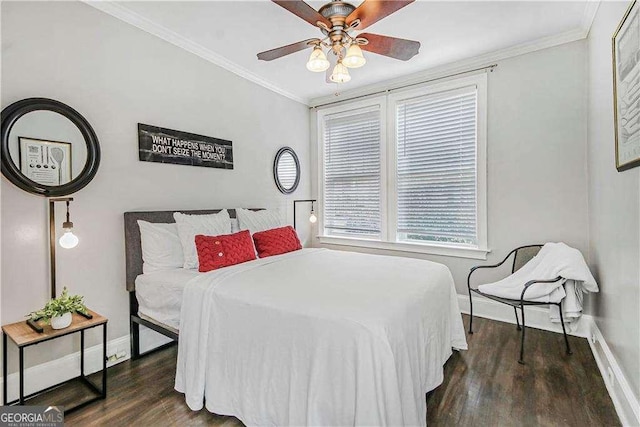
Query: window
{"points": [[352, 182], [419, 187], [436, 167]]}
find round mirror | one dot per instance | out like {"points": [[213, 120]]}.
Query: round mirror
{"points": [[286, 170], [48, 148]]}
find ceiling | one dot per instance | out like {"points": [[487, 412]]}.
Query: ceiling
{"points": [[231, 33]]}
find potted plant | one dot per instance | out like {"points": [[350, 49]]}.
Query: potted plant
{"points": [[57, 312]]}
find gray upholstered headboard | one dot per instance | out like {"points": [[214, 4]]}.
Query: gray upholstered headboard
{"points": [[133, 247]]}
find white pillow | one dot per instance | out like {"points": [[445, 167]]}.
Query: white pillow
{"points": [[191, 225], [255, 221], [161, 247]]}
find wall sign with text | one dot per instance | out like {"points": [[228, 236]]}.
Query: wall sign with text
{"points": [[156, 144]]}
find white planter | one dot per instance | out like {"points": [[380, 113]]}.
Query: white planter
{"points": [[61, 322]]}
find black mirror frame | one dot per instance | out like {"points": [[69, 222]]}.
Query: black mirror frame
{"points": [[18, 109], [275, 170]]}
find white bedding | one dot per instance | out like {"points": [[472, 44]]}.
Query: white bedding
{"points": [[160, 294], [318, 337]]}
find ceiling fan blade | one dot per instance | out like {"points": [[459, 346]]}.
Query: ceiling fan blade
{"points": [[371, 11], [304, 11], [390, 46], [279, 52]]}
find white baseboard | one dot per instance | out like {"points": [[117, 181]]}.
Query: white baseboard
{"points": [[536, 317], [626, 404], [56, 371]]}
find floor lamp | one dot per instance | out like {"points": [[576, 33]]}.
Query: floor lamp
{"points": [[67, 241]]}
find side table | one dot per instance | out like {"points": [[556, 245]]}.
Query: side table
{"points": [[24, 336]]}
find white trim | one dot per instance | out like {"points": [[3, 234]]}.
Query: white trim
{"points": [[536, 317], [421, 248], [124, 14], [481, 161], [46, 374], [588, 16], [626, 404], [56, 371], [385, 191], [379, 103], [388, 196], [479, 82], [444, 70], [119, 11]]}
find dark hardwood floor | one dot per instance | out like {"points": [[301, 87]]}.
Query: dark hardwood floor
{"points": [[484, 386]]}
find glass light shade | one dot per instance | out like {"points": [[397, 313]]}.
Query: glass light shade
{"points": [[313, 218], [340, 74], [68, 239], [354, 58], [317, 61]]}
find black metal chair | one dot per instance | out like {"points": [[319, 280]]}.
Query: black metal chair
{"points": [[521, 256]]}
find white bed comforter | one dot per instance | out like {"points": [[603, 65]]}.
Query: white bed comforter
{"points": [[318, 337]]}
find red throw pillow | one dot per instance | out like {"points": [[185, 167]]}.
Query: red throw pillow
{"points": [[276, 241], [222, 251]]}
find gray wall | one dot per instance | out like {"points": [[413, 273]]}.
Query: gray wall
{"points": [[116, 76], [614, 209], [536, 156]]}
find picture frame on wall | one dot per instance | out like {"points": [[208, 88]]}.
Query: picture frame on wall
{"points": [[45, 162], [626, 89]]}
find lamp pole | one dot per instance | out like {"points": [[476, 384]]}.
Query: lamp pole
{"points": [[52, 238]]}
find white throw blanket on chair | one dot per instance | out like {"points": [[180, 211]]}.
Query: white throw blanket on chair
{"points": [[553, 260]]}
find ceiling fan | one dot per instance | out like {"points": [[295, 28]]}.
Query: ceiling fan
{"points": [[337, 19]]}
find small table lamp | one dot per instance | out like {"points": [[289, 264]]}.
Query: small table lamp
{"points": [[312, 217], [67, 241]]}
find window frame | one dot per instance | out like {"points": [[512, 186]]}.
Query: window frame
{"points": [[388, 170], [379, 103]]}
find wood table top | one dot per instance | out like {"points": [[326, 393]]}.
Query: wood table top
{"points": [[22, 334]]}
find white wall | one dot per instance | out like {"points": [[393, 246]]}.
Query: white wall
{"points": [[536, 156], [116, 76], [614, 208]]}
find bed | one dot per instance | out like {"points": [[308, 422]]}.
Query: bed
{"points": [[133, 260], [314, 337]]}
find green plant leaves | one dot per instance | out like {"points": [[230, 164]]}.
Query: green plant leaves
{"points": [[59, 306]]}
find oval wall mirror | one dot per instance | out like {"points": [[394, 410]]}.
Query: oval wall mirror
{"points": [[286, 170], [48, 148]]}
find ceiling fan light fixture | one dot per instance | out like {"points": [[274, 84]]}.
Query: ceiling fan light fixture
{"points": [[340, 73], [336, 20], [354, 58], [318, 62]]}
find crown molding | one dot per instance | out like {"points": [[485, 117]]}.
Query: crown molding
{"points": [[445, 70], [126, 15], [589, 15], [442, 71]]}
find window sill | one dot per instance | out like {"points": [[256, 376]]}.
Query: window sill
{"points": [[443, 250]]}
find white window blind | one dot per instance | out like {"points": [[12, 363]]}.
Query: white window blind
{"points": [[352, 173], [436, 167]]}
